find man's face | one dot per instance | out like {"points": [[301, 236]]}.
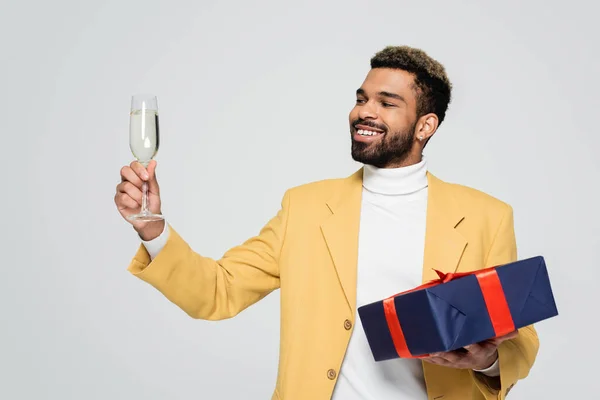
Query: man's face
{"points": [[382, 123]]}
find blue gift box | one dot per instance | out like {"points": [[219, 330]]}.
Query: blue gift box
{"points": [[454, 314]]}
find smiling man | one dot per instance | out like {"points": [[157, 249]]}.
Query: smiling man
{"points": [[338, 244]]}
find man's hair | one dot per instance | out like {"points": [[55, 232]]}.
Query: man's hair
{"points": [[432, 86]]}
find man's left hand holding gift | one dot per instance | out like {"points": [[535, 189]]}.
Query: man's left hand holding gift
{"points": [[478, 357]]}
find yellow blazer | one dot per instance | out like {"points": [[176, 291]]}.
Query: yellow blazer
{"points": [[309, 251]]}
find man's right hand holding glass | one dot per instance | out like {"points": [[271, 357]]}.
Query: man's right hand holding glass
{"points": [[128, 198]]}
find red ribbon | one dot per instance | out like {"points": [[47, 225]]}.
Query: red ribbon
{"points": [[493, 295]]}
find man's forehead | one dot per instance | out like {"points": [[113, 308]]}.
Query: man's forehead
{"points": [[388, 79]]}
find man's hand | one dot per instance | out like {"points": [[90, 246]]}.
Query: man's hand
{"points": [[476, 356], [128, 197]]}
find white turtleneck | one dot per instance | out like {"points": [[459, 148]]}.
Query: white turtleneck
{"points": [[390, 260]]}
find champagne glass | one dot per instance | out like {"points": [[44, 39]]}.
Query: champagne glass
{"points": [[143, 142]]}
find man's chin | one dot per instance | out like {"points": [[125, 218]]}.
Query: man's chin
{"points": [[363, 158], [366, 157]]}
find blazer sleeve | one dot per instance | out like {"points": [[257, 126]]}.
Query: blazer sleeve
{"points": [[516, 356], [211, 289]]}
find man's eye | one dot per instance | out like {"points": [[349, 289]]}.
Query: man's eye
{"points": [[388, 104], [360, 101]]}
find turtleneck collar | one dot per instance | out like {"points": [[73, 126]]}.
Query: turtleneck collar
{"points": [[396, 181]]}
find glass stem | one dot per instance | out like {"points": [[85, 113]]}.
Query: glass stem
{"points": [[144, 197]]}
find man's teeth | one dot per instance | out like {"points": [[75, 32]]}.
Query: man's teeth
{"points": [[363, 132]]}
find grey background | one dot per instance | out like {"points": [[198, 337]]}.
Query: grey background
{"points": [[254, 98]]}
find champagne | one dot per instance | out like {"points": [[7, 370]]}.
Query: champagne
{"points": [[143, 142], [143, 134]]}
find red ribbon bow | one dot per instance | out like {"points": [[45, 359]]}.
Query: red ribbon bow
{"points": [[493, 295]]}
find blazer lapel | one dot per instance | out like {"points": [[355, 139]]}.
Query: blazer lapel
{"points": [[340, 231], [444, 245]]}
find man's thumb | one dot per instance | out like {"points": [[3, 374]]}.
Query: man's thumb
{"points": [[152, 182], [508, 336]]}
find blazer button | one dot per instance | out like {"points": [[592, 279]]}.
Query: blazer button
{"points": [[331, 374], [348, 324]]}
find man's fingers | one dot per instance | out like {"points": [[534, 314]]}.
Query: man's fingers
{"points": [[501, 339], [151, 169], [437, 361], [129, 175], [511, 335], [472, 356], [137, 174], [139, 169], [451, 356], [152, 181], [482, 347], [130, 190], [476, 349], [483, 350], [124, 202]]}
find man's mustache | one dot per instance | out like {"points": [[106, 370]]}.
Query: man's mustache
{"points": [[370, 124]]}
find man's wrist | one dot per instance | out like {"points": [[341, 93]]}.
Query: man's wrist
{"points": [[155, 245], [492, 370], [152, 230]]}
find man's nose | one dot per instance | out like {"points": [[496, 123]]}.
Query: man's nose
{"points": [[367, 111]]}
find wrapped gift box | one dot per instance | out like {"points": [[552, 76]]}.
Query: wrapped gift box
{"points": [[458, 310]]}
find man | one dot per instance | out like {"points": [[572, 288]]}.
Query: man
{"points": [[338, 244]]}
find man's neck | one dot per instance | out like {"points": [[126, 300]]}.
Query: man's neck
{"points": [[396, 181], [411, 159]]}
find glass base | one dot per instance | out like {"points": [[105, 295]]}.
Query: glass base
{"points": [[145, 216]]}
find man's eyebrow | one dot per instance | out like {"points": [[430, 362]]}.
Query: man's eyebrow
{"points": [[392, 95], [383, 94]]}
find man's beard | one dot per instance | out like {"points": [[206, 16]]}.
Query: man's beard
{"points": [[392, 149]]}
